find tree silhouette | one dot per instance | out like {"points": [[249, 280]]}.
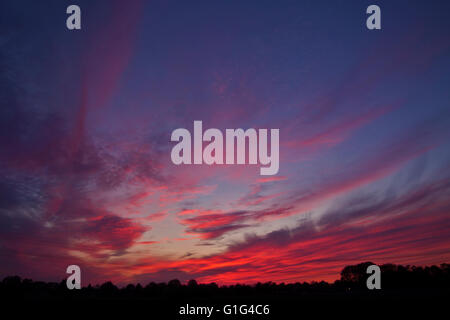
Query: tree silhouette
{"points": [[395, 279]]}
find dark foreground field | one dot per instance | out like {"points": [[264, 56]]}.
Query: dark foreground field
{"points": [[406, 292]]}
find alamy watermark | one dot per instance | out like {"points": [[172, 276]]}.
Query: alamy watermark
{"points": [[74, 280], [374, 281], [218, 151]]}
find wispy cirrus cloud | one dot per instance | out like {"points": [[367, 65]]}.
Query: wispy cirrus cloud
{"points": [[412, 227]]}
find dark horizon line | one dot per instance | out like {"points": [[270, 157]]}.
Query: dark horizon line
{"points": [[358, 270]]}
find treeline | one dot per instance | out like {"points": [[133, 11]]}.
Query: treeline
{"points": [[353, 279]]}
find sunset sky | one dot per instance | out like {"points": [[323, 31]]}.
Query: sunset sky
{"points": [[86, 116]]}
